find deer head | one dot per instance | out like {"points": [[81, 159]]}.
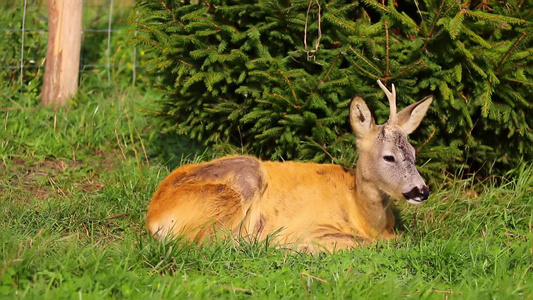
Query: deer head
{"points": [[386, 159]]}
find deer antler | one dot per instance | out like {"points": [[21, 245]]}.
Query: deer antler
{"points": [[392, 101]]}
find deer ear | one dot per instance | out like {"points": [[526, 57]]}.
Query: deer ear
{"points": [[410, 117], [360, 117]]}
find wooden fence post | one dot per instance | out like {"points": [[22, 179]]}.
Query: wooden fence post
{"points": [[63, 51]]}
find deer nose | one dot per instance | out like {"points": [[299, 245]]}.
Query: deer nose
{"points": [[417, 194]]}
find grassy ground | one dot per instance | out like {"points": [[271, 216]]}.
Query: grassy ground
{"points": [[74, 186]]}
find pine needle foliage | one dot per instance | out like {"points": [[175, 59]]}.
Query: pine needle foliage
{"points": [[275, 78]]}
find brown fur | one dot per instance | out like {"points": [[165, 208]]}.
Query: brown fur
{"points": [[311, 207]]}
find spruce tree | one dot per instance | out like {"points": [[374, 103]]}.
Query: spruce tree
{"points": [[275, 78]]}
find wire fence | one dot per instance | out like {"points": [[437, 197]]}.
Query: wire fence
{"points": [[104, 50]]}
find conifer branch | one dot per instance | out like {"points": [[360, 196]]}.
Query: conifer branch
{"points": [[184, 62], [475, 52], [343, 8], [511, 50], [408, 69], [365, 71], [171, 12], [162, 90], [149, 41], [270, 77], [367, 62], [518, 81], [499, 19], [436, 18], [276, 95], [330, 68], [208, 21], [485, 99], [338, 81], [324, 149], [137, 24], [340, 21], [376, 5], [427, 140], [287, 80], [148, 28], [514, 68]]}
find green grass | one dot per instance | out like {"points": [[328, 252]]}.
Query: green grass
{"points": [[75, 184]]}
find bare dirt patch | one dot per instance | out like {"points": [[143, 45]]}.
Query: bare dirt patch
{"points": [[32, 177]]}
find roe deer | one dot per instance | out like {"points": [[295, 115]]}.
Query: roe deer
{"points": [[311, 206]]}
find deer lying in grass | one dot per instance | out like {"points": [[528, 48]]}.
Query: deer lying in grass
{"points": [[314, 207]]}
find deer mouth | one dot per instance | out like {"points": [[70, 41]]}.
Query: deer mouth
{"points": [[416, 195], [416, 201]]}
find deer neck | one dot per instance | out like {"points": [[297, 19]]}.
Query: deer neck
{"points": [[372, 205]]}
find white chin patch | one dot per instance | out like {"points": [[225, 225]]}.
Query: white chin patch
{"points": [[415, 201]]}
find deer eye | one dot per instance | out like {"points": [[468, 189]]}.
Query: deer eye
{"points": [[389, 158]]}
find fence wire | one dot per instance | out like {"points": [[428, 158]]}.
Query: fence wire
{"points": [[24, 34]]}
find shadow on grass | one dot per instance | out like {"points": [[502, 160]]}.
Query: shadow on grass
{"points": [[171, 149]]}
